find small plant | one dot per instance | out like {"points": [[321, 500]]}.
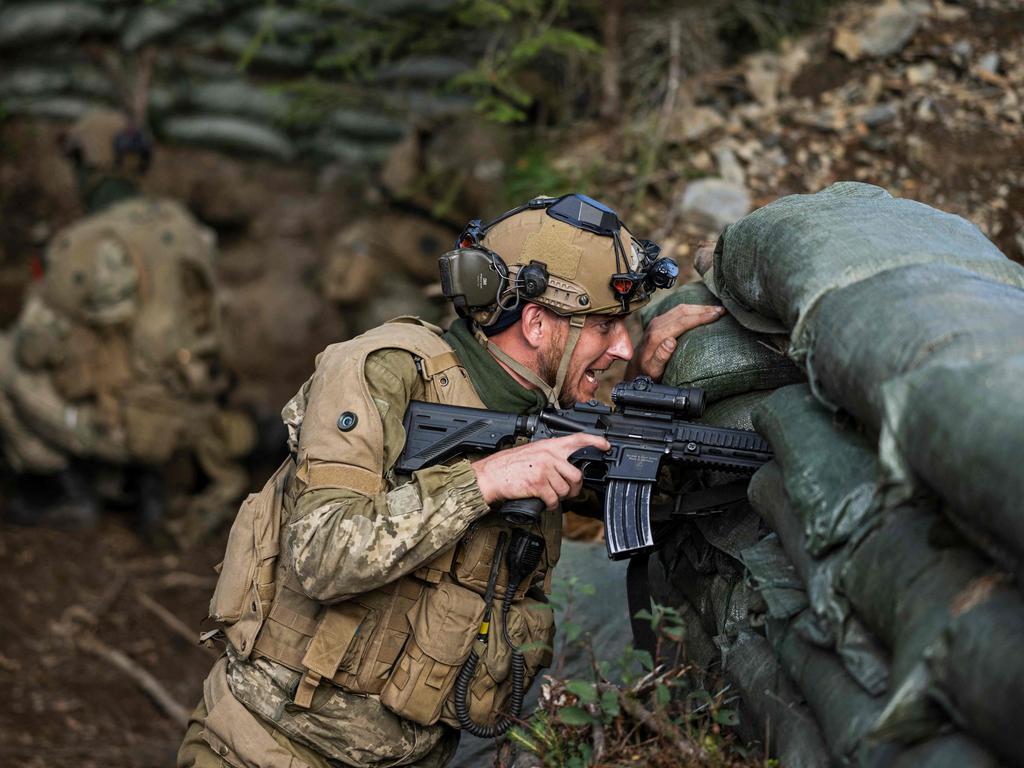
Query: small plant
{"points": [[660, 715]]}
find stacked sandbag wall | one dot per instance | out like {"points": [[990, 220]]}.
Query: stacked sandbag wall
{"points": [[225, 75], [885, 576]]}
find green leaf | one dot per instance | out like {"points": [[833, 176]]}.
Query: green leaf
{"points": [[575, 716], [572, 631], [588, 590], [662, 696], [673, 633], [610, 703], [585, 692], [645, 659], [644, 614], [700, 697], [534, 645], [727, 717], [521, 739]]}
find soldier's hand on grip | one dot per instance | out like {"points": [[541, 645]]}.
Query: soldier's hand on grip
{"points": [[536, 470]]}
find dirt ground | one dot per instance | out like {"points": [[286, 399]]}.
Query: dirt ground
{"points": [[66, 706]]}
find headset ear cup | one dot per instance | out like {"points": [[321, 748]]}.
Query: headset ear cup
{"points": [[473, 278]]}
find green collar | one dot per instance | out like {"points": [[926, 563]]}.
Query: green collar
{"points": [[498, 390]]}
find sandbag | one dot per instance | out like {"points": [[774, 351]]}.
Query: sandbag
{"points": [[723, 358], [736, 411], [775, 578], [34, 23], [960, 428], [830, 469], [834, 625], [953, 750], [978, 666], [229, 133], [772, 266], [904, 577], [780, 715], [942, 315], [843, 710], [710, 580]]}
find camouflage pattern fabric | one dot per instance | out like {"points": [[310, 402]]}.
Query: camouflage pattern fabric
{"points": [[343, 543]]}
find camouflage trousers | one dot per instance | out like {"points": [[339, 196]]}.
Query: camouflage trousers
{"points": [[224, 740]]}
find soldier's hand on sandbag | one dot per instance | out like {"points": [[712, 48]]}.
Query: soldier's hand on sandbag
{"points": [[538, 470], [659, 341]]}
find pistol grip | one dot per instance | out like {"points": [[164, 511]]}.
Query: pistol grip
{"points": [[522, 511]]}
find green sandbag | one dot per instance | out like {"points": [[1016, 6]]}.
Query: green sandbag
{"points": [[979, 669], [710, 580], [903, 578], [842, 708], [954, 750], [835, 626], [961, 429], [736, 411], [34, 23], [780, 715], [830, 470], [856, 345], [775, 578], [229, 133], [774, 264], [723, 358]]}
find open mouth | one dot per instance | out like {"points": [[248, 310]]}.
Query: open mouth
{"points": [[591, 374]]}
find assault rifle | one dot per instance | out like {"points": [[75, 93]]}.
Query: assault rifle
{"points": [[645, 428]]}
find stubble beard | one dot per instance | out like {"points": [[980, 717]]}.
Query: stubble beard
{"points": [[548, 363]]}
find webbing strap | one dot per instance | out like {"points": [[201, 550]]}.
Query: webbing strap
{"points": [[306, 688], [332, 475], [432, 366], [576, 323], [499, 354], [638, 597]]}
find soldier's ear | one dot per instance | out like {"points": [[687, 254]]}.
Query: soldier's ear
{"points": [[535, 323]]}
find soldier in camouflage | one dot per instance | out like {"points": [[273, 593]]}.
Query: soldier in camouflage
{"points": [[113, 361], [350, 595]]}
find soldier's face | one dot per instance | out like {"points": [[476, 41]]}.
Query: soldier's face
{"points": [[603, 341]]}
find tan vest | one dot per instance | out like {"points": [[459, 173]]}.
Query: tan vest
{"points": [[404, 641]]}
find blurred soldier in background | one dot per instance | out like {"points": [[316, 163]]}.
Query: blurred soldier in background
{"points": [[114, 360]]}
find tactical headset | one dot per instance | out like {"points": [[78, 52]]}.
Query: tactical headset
{"points": [[479, 284]]}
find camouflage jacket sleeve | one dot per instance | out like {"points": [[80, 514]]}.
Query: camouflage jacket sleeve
{"points": [[344, 543]]}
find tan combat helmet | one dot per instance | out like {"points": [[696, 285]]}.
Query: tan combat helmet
{"points": [[104, 139], [570, 254]]}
